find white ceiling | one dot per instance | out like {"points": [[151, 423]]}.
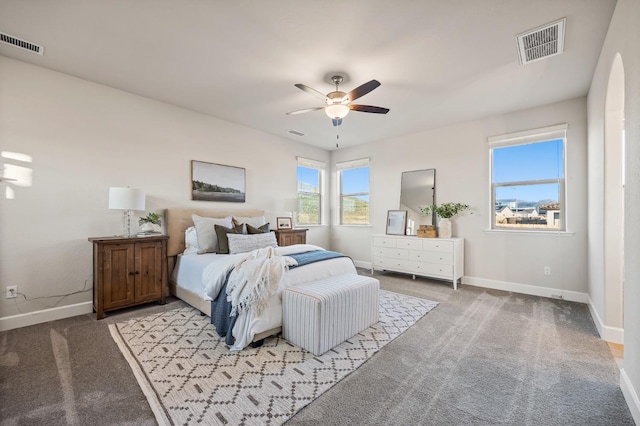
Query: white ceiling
{"points": [[439, 61]]}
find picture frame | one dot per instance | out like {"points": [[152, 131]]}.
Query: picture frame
{"points": [[217, 182], [396, 222], [284, 223]]}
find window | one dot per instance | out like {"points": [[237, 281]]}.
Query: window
{"points": [[310, 175], [527, 180], [353, 178]]}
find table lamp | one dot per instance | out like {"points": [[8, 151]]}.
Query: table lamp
{"points": [[127, 199]]}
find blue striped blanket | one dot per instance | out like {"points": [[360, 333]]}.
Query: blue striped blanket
{"points": [[221, 308]]}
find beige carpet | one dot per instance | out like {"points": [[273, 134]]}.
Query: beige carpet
{"points": [[189, 375]]}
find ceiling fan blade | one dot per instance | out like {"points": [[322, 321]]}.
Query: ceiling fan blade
{"points": [[336, 121], [301, 111], [362, 90], [369, 108], [312, 92]]}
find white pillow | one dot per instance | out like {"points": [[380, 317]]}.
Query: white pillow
{"points": [[256, 222], [206, 232], [241, 243], [191, 241]]}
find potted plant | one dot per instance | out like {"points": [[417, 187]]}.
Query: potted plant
{"points": [[445, 212], [148, 221]]}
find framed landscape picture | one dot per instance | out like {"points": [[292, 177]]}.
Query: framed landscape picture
{"points": [[216, 182]]}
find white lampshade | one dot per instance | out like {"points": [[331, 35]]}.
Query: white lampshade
{"points": [[126, 199], [337, 111]]}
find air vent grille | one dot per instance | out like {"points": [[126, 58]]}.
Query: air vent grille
{"points": [[542, 42], [295, 132], [21, 44]]}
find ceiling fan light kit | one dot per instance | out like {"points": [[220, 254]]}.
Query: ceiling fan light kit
{"points": [[337, 111], [339, 103]]}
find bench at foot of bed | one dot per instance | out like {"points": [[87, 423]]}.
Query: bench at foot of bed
{"points": [[322, 314]]}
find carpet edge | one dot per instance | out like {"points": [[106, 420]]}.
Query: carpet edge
{"points": [[141, 378]]}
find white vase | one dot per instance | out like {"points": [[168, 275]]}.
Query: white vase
{"points": [[147, 227], [444, 228]]}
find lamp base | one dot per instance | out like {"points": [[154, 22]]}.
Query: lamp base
{"points": [[126, 224]]}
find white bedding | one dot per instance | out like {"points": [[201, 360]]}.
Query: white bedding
{"points": [[205, 275]]}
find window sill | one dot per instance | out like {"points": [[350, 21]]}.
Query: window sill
{"points": [[532, 232]]}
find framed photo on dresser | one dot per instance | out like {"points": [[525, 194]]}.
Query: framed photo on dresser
{"points": [[396, 222], [284, 223]]}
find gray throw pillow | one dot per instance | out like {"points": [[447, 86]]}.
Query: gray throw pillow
{"points": [[223, 242], [259, 230]]}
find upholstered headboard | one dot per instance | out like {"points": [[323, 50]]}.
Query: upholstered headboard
{"points": [[179, 219]]}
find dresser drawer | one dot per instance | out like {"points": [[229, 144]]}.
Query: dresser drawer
{"points": [[431, 269], [409, 243], [392, 264], [384, 242], [431, 257], [439, 246], [390, 252]]}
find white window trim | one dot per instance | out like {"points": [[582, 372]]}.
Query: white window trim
{"points": [[542, 134], [321, 167]]}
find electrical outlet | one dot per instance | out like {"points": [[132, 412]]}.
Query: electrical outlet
{"points": [[12, 291], [547, 270]]}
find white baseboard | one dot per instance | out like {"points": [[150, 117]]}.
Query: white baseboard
{"points": [[607, 333], [630, 395], [45, 315], [552, 293]]}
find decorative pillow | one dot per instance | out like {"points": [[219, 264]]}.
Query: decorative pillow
{"points": [[260, 230], [256, 221], [206, 232], [191, 241], [223, 242], [242, 243]]}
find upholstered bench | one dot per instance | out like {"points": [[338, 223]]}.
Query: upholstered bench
{"points": [[322, 314]]}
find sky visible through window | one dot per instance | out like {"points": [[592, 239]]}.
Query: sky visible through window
{"points": [[308, 177], [528, 162], [355, 180]]}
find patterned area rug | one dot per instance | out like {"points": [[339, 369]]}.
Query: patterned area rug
{"points": [[190, 376]]}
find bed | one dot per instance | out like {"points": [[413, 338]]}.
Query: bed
{"points": [[197, 278]]}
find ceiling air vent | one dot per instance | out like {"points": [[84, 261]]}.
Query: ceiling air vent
{"points": [[541, 42], [21, 44]]}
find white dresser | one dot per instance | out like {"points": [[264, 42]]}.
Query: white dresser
{"points": [[441, 258]]}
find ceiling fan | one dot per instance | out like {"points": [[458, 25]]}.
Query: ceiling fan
{"points": [[339, 103]]}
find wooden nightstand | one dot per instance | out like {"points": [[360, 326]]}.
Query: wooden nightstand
{"points": [[288, 237], [128, 272]]}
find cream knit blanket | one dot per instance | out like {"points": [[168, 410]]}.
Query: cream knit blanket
{"points": [[255, 278]]}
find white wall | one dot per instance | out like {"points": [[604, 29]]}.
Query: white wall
{"points": [[622, 38], [460, 155], [84, 138]]}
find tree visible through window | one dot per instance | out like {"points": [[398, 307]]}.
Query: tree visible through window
{"points": [[354, 192], [527, 180]]}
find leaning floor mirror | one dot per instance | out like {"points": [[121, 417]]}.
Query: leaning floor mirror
{"points": [[417, 189]]}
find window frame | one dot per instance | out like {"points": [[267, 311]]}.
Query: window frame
{"points": [[320, 167], [540, 135], [351, 165]]}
